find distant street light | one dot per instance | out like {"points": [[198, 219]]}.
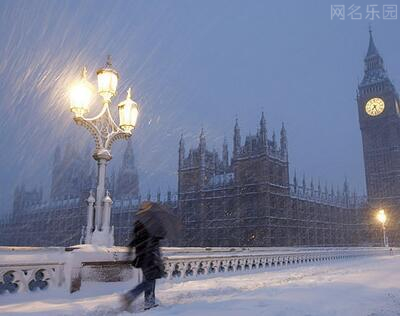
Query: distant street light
{"points": [[105, 131], [381, 216]]}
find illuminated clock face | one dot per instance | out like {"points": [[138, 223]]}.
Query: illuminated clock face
{"points": [[375, 106]]}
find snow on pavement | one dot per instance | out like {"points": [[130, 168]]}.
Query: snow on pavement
{"points": [[367, 286]]}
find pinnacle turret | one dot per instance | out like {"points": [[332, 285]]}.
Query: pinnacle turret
{"points": [[283, 143], [225, 154], [319, 188], [312, 186], [181, 151], [202, 142], [181, 142], [236, 139], [274, 145], [263, 130]]}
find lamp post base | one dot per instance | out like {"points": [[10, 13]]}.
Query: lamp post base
{"points": [[103, 237]]}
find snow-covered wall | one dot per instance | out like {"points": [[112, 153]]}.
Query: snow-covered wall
{"points": [[24, 269]]}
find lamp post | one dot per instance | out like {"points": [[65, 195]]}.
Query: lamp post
{"points": [[104, 131], [381, 216]]}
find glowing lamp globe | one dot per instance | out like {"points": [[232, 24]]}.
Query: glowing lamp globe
{"points": [[80, 95], [107, 81], [381, 216], [128, 113]]}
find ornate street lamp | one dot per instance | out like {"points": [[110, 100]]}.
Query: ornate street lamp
{"points": [[105, 131], [381, 217]]}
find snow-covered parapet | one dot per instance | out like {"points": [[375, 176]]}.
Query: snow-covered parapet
{"points": [[25, 269], [231, 260]]}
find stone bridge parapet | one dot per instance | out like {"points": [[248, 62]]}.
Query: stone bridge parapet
{"points": [[36, 269]]}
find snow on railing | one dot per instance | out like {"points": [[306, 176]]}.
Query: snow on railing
{"points": [[35, 269], [189, 266]]}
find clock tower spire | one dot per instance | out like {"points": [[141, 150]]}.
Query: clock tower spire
{"points": [[374, 69], [379, 120]]}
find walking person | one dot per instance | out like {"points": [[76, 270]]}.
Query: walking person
{"points": [[152, 224]]}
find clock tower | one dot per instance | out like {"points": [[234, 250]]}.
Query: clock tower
{"points": [[378, 110]]}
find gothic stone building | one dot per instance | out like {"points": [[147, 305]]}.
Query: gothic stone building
{"points": [[248, 201]]}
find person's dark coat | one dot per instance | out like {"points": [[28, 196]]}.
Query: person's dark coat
{"points": [[148, 254]]}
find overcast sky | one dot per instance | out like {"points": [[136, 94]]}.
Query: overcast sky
{"points": [[191, 64]]}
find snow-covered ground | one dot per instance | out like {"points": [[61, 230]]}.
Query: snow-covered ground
{"points": [[366, 286]]}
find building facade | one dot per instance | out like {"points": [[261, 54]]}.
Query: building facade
{"points": [[248, 200]]}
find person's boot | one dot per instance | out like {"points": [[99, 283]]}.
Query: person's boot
{"points": [[146, 307], [150, 303]]}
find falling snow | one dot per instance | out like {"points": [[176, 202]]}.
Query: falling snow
{"points": [[191, 65]]}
